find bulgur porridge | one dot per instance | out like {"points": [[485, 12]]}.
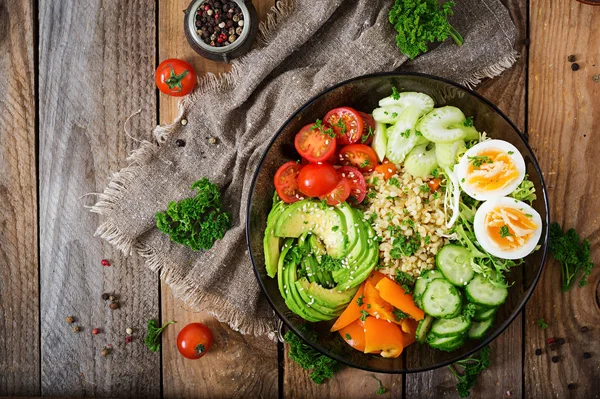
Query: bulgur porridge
{"points": [[404, 210]]}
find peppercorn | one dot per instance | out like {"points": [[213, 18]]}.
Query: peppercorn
{"points": [[96, 331], [235, 18], [571, 386], [70, 319], [584, 329], [105, 352], [212, 140], [550, 340], [561, 341], [180, 143], [239, 30], [587, 355], [105, 262], [571, 58], [555, 359], [241, 22], [114, 305], [574, 66], [105, 296], [129, 331], [76, 329], [111, 298], [232, 38], [538, 352], [128, 339]]}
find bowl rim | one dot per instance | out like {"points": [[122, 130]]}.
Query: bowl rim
{"points": [[512, 316]]}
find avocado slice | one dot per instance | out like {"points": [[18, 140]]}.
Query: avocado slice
{"points": [[325, 222], [312, 303], [271, 242], [298, 305], [331, 298], [280, 266]]}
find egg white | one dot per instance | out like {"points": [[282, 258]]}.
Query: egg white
{"points": [[463, 167], [486, 242]]}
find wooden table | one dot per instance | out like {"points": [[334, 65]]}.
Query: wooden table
{"points": [[73, 71]]}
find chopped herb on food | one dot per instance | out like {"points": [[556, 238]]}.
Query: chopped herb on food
{"points": [[359, 300], [363, 315], [573, 255], [542, 323], [152, 339], [330, 264], [196, 222], [421, 22], [370, 133], [321, 366], [365, 164], [399, 315], [348, 337], [471, 368], [335, 228], [479, 160], [405, 280], [468, 122], [394, 182], [504, 232], [395, 93], [318, 124], [405, 133]]}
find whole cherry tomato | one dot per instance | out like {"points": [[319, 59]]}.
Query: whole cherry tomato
{"points": [[194, 340], [175, 77]]}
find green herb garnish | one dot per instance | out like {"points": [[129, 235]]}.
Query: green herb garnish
{"points": [[394, 182], [395, 93], [468, 122], [542, 323], [152, 339], [405, 280], [471, 368], [405, 133], [363, 315], [574, 256], [479, 160], [380, 389], [504, 232], [399, 315], [359, 300]]}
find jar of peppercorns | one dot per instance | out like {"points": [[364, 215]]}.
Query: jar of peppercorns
{"points": [[221, 30]]}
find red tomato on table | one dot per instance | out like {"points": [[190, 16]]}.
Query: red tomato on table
{"points": [[360, 156], [194, 340], [175, 77], [347, 124], [315, 180], [286, 182], [315, 142]]}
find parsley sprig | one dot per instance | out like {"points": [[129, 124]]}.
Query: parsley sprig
{"points": [[574, 256], [471, 368], [152, 339]]}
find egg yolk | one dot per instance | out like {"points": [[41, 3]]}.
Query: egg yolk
{"points": [[509, 228], [491, 170]]}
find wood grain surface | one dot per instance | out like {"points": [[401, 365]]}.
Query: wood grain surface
{"points": [[19, 315], [238, 366], [564, 129], [96, 64]]}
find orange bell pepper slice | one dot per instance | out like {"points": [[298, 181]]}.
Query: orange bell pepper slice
{"points": [[387, 168], [383, 335], [409, 326], [375, 305], [393, 293], [354, 335], [351, 313], [375, 277], [409, 339]]}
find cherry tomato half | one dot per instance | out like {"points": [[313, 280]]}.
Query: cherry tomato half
{"points": [[347, 124], [339, 194], [317, 179], [286, 182], [314, 142], [358, 186], [434, 184], [387, 168], [368, 129], [175, 77], [360, 156], [194, 340]]}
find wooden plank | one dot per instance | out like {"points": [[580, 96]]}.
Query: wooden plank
{"points": [[564, 128], [507, 91], [19, 301], [238, 365], [96, 65]]}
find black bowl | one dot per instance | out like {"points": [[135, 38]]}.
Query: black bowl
{"points": [[363, 93]]}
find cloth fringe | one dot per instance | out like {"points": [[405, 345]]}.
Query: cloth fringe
{"points": [[491, 71]]}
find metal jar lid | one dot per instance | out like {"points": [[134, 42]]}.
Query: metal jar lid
{"points": [[239, 47]]}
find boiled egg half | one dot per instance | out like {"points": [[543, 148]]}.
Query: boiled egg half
{"points": [[507, 228], [490, 169]]}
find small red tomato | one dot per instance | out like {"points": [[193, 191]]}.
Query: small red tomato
{"points": [[360, 156], [286, 182], [194, 340], [317, 179], [175, 77], [339, 194]]}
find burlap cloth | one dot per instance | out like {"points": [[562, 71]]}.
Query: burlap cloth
{"points": [[303, 48]]}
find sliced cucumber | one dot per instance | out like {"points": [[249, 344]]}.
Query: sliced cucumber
{"points": [[441, 299], [380, 139], [409, 98], [401, 140], [389, 114], [421, 161], [443, 125], [423, 328], [454, 262], [445, 153], [450, 327], [480, 328], [484, 314], [421, 284], [447, 344], [480, 290], [471, 133]]}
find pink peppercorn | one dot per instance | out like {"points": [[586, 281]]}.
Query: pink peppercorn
{"points": [[96, 331], [128, 339], [206, 7], [105, 262]]}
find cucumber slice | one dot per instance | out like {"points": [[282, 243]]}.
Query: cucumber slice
{"points": [[480, 290], [420, 162], [409, 98], [480, 328], [447, 344], [441, 299], [471, 133], [450, 327], [389, 114], [421, 284], [484, 314], [401, 140], [443, 125], [423, 328], [454, 263], [380, 139], [445, 153]]}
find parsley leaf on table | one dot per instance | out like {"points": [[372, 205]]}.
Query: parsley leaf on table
{"points": [[152, 340], [574, 257], [471, 368]]}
